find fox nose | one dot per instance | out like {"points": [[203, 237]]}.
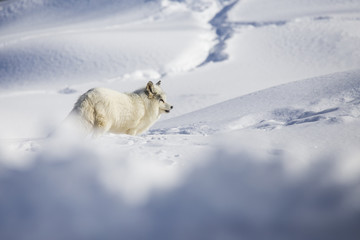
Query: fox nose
{"points": [[171, 107]]}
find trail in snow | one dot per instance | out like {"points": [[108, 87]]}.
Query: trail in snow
{"points": [[224, 31]]}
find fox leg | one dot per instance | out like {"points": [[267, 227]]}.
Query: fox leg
{"points": [[101, 125]]}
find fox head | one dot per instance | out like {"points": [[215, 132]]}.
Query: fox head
{"points": [[155, 92]]}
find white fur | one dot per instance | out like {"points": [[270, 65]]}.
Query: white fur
{"points": [[102, 110]]}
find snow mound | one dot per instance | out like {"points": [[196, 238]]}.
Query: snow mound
{"points": [[328, 98]]}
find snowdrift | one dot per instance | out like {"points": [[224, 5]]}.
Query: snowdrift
{"points": [[328, 98], [47, 44]]}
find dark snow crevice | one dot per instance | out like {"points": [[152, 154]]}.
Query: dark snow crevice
{"points": [[224, 31]]}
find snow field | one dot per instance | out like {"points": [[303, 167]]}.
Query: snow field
{"points": [[262, 142]]}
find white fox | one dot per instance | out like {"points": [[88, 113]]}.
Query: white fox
{"points": [[102, 110]]}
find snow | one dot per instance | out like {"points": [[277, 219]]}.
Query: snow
{"points": [[105, 49], [263, 141], [284, 10]]}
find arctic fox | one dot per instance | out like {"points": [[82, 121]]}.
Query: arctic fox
{"points": [[102, 110]]}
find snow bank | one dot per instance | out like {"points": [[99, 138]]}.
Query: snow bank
{"points": [[81, 193], [54, 44], [67, 58], [336, 94]]}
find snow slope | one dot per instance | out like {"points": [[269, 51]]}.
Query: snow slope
{"points": [[263, 142], [104, 47], [337, 94]]}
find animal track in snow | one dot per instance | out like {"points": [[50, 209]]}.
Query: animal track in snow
{"points": [[284, 117]]}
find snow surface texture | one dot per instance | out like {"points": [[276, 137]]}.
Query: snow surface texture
{"points": [[263, 142]]}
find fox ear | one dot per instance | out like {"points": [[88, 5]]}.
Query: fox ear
{"points": [[150, 89], [158, 83]]}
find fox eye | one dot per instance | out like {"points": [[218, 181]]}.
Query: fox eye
{"points": [[162, 100]]}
